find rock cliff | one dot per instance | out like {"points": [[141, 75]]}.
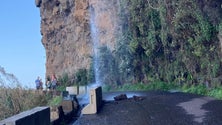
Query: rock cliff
{"points": [[138, 40], [66, 36]]}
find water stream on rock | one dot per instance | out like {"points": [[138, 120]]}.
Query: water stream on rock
{"points": [[95, 39], [94, 21], [103, 23], [84, 99]]}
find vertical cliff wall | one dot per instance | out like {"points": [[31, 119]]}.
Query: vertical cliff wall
{"points": [[164, 40], [66, 36]]}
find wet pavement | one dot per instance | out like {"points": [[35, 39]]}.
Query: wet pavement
{"points": [[155, 108]]}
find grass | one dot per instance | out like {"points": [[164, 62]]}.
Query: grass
{"points": [[216, 92], [199, 89], [142, 87], [195, 89], [56, 101], [17, 99]]}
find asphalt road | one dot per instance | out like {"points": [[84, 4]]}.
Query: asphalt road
{"points": [[156, 108]]}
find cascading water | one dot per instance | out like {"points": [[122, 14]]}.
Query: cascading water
{"points": [[95, 39], [104, 27]]}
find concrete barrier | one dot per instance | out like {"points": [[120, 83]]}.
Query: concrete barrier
{"points": [[76, 90], [95, 101], [35, 116], [66, 112]]}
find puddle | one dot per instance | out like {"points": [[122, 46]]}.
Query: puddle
{"points": [[194, 107]]}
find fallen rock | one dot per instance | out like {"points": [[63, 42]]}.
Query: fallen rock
{"points": [[120, 97]]}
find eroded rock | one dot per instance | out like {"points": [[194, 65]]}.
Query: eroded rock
{"points": [[66, 35]]}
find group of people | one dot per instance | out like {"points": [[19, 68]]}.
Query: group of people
{"points": [[51, 83]]}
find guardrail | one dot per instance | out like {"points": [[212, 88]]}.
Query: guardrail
{"points": [[66, 112], [35, 116]]}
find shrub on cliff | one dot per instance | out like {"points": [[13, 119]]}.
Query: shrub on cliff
{"points": [[172, 41]]}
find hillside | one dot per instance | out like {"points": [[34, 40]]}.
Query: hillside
{"points": [[136, 41]]}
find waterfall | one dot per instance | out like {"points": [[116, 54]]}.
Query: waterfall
{"points": [[95, 39], [104, 29]]}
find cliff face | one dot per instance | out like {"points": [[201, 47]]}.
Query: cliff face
{"points": [[66, 36], [164, 40]]}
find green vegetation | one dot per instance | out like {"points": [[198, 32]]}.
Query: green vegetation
{"points": [[216, 92], [82, 77], [18, 99], [169, 41], [220, 29], [63, 82], [203, 90], [146, 87], [56, 101], [176, 43], [195, 89]]}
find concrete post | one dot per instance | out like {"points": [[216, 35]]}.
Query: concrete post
{"points": [[95, 101], [76, 90], [72, 90]]}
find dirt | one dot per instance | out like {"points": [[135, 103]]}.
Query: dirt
{"points": [[156, 108]]}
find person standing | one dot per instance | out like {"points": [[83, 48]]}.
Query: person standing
{"points": [[48, 84], [38, 83], [53, 81], [41, 84]]}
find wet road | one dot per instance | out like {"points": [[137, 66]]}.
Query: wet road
{"points": [[156, 108]]}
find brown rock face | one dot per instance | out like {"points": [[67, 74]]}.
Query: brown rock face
{"points": [[66, 35]]}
